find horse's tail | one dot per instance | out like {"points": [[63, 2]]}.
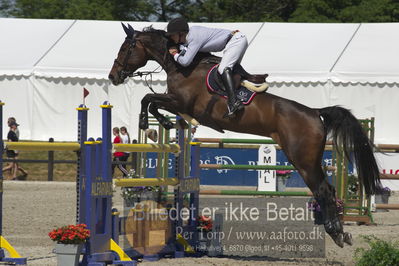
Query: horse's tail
{"points": [[347, 131]]}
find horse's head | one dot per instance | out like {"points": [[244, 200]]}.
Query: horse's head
{"points": [[131, 56], [136, 50]]}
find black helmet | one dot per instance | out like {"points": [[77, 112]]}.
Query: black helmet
{"points": [[177, 25]]}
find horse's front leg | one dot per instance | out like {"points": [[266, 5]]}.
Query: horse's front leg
{"points": [[163, 120], [143, 117], [168, 103]]}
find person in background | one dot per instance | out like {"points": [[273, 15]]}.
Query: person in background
{"points": [[152, 134], [193, 131], [118, 155], [13, 120], [134, 157], [125, 140], [13, 135]]}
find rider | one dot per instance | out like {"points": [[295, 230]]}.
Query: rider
{"points": [[202, 39]]}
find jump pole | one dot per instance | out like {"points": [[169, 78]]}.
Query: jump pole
{"points": [[246, 167], [4, 245], [255, 193], [185, 182], [96, 199]]}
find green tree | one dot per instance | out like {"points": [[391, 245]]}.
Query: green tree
{"points": [[79, 9], [89, 9], [128, 10], [207, 10], [38, 9], [238, 10], [371, 11], [354, 11]]}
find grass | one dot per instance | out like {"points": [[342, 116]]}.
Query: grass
{"points": [[39, 171]]}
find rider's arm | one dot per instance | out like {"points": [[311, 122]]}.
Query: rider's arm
{"points": [[185, 58]]}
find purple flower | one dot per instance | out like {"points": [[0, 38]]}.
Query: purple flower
{"points": [[314, 206]]}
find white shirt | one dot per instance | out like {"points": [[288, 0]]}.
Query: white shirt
{"points": [[125, 139], [202, 39]]}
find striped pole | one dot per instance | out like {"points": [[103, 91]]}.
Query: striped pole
{"points": [[387, 206], [144, 182], [255, 193], [174, 148], [247, 167], [43, 146], [245, 141]]}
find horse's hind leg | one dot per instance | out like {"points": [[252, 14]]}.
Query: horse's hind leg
{"points": [[305, 154]]}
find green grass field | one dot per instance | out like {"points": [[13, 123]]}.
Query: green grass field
{"points": [[38, 171]]}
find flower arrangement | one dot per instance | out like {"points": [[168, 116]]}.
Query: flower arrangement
{"points": [[205, 223], [285, 174], [353, 185], [70, 234], [340, 205], [135, 194], [313, 205], [383, 190]]}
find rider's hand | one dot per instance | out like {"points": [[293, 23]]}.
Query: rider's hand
{"points": [[173, 51]]}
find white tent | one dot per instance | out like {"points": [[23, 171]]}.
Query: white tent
{"points": [[44, 64]]}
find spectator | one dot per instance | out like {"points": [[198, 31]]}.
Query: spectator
{"points": [[13, 120], [118, 155], [13, 135], [125, 140], [152, 134], [193, 131]]}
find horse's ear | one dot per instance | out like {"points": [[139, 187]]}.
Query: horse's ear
{"points": [[131, 29], [128, 30]]}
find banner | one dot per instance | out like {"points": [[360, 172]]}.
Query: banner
{"points": [[267, 178]]}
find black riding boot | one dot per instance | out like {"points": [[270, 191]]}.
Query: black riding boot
{"points": [[233, 104]]}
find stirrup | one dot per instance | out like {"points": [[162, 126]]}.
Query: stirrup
{"points": [[232, 109]]}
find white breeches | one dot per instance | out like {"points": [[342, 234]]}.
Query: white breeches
{"points": [[234, 51]]}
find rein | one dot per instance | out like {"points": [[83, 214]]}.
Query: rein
{"points": [[123, 73], [146, 74]]}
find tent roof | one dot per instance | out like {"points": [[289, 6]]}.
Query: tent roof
{"points": [[90, 47], [88, 50], [372, 56], [295, 52], [25, 41], [289, 52]]}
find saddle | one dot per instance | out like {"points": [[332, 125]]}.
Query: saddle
{"points": [[255, 79], [246, 85]]}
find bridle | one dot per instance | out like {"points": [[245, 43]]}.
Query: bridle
{"points": [[123, 73]]}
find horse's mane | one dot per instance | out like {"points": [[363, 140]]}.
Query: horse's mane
{"points": [[150, 29]]}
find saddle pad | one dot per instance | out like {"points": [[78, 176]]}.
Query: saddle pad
{"points": [[243, 94]]}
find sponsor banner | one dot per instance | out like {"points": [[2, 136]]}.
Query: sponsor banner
{"points": [[267, 178], [233, 177]]}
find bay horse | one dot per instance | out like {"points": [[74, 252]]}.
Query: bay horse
{"points": [[299, 130]]}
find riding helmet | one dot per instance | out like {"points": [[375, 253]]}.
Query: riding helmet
{"points": [[177, 25]]}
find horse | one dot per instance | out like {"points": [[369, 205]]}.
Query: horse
{"points": [[299, 130]]}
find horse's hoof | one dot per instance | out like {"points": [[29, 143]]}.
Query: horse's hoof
{"points": [[348, 238], [168, 125], [143, 125], [339, 240]]}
